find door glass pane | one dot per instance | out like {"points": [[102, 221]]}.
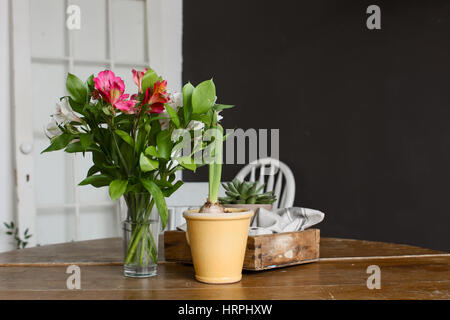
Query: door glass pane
{"points": [[98, 223], [55, 225], [90, 42], [129, 30], [47, 28]]}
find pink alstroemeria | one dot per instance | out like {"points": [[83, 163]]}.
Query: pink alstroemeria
{"points": [[157, 97], [112, 89], [137, 78]]}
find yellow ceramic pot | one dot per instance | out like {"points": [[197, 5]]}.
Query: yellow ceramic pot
{"points": [[218, 243]]}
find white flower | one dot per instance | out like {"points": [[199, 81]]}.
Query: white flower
{"points": [[176, 100], [52, 129], [195, 125], [64, 112], [166, 121], [219, 117]]}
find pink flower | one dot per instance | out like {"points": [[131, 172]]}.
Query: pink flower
{"points": [[137, 77], [157, 97], [111, 89]]}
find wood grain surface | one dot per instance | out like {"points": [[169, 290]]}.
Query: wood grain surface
{"points": [[406, 273]]}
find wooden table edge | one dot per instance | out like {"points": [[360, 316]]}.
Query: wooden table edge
{"points": [[94, 264]]}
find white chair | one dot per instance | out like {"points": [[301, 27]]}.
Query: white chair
{"points": [[277, 170]]}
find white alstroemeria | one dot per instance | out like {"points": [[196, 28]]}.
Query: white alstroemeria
{"points": [[64, 112], [175, 102], [52, 130], [166, 121], [219, 117], [195, 125]]}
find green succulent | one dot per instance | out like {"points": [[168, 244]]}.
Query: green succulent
{"points": [[242, 192]]}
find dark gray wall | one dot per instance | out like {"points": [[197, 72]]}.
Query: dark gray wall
{"points": [[363, 115]]}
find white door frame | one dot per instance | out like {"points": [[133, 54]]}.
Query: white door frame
{"points": [[164, 39], [21, 104]]}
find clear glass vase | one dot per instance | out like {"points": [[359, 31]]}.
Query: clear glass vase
{"points": [[141, 229]]}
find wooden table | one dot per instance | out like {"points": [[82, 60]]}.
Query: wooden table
{"points": [[407, 272]]}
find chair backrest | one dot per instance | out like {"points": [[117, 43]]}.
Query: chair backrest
{"points": [[277, 172]]}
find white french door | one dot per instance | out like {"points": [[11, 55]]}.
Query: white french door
{"points": [[113, 34]]}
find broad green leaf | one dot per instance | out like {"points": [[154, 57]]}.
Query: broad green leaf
{"points": [[173, 115], [125, 137], [92, 170], [76, 106], [203, 97], [158, 196], [188, 89], [117, 188], [164, 143], [151, 151], [147, 164], [187, 162], [149, 79], [98, 180], [75, 147], [85, 140], [59, 142], [76, 88]]}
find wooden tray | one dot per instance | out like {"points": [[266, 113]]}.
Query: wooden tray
{"points": [[263, 251]]}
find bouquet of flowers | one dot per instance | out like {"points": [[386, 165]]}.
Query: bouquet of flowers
{"points": [[137, 142]]}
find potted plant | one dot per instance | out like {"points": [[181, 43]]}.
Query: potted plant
{"points": [[217, 236], [133, 149], [243, 194]]}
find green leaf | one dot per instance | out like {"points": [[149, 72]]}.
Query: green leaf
{"points": [[151, 151], [77, 147], [125, 137], [164, 143], [149, 79], [98, 180], [188, 89], [215, 169], [90, 82], [59, 142], [175, 187], [76, 106], [173, 115], [117, 188], [106, 111], [147, 164], [203, 97], [76, 88], [157, 194], [187, 162], [74, 147], [219, 107], [85, 140]]}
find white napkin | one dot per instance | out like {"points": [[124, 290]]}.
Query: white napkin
{"points": [[284, 220], [281, 220]]}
